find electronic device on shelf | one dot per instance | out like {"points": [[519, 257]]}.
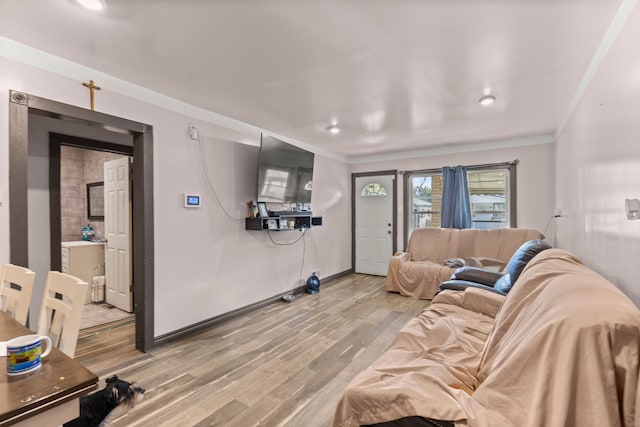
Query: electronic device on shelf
{"points": [[285, 172]]}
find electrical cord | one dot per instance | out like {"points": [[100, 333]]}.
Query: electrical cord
{"points": [[304, 231], [204, 170], [546, 228], [304, 247], [205, 175]]}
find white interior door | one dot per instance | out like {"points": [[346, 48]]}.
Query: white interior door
{"points": [[374, 225], [117, 226]]}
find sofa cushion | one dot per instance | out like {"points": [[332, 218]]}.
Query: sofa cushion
{"points": [[477, 275], [461, 285], [503, 284]]}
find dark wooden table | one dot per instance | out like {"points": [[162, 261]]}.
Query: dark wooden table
{"points": [[48, 396]]}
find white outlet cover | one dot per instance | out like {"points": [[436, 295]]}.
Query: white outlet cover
{"points": [[632, 208]]}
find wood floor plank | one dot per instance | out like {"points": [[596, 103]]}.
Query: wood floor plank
{"points": [[284, 364], [223, 416]]}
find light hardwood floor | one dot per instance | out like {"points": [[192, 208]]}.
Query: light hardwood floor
{"points": [[99, 314], [284, 364]]}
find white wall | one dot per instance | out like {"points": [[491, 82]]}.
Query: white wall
{"points": [[535, 180], [598, 166], [206, 264]]}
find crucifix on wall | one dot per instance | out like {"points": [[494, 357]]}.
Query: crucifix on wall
{"points": [[91, 87]]}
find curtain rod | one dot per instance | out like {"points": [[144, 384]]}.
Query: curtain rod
{"points": [[494, 165], [483, 166]]}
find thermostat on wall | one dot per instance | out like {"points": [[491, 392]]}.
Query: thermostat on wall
{"points": [[192, 200]]}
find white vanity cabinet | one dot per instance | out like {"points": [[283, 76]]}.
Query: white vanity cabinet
{"points": [[83, 260]]}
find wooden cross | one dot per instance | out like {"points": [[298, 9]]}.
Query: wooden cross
{"points": [[91, 87]]}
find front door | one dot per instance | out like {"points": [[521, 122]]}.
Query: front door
{"points": [[117, 227], [373, 223]]}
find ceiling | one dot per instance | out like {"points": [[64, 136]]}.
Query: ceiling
{"points": [[395, 75]]}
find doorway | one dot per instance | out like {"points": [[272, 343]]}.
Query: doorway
{"points": [[374, 221], [77, 192], [23, 107]]}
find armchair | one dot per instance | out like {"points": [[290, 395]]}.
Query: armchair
{"points": [[502, 282]]}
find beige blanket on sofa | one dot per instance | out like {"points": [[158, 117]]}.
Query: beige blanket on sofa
{"points": [[435, 355], [419, 271], [564, 351]]}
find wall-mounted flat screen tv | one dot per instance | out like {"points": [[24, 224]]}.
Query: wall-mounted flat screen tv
{"points": [[285, 172]]}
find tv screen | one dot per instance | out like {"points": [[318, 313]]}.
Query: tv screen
{"points": [[285, 172]]}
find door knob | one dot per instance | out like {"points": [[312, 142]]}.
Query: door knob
{"points": [[389, 224], [389, 232]]}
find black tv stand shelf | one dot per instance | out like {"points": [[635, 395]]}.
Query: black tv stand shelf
{"points": [[285, 222]]}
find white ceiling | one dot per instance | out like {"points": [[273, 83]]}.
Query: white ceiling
{"points": [[396, 75]]}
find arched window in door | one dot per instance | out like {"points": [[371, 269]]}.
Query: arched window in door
{"points": [[373, 190]]}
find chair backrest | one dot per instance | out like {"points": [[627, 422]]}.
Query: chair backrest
{"points": [[61, 310], [518, 262], [16, 287]]}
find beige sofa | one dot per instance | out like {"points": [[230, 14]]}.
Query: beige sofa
{"points": [[419, 271], [561, 349]]}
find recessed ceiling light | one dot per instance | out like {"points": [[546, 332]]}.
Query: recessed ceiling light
{"points": [[487, 100], [334, 128], [92, 4]]}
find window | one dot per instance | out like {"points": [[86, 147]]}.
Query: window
{"points": [[425, 197], [490, 192], [372, 190]]}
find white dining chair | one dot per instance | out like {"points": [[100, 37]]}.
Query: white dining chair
{"points": [[61, 310], [16, 288]]}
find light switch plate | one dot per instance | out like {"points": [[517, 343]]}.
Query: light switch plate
{"points": [[632, 207]]}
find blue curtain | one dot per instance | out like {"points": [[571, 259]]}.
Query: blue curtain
{"points": [[456, 206]]}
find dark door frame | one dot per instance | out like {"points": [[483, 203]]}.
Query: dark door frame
{"points": [[21, 106], [394, 232]]}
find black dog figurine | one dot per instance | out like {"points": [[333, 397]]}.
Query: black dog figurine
{"points": [[95, 407]]}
